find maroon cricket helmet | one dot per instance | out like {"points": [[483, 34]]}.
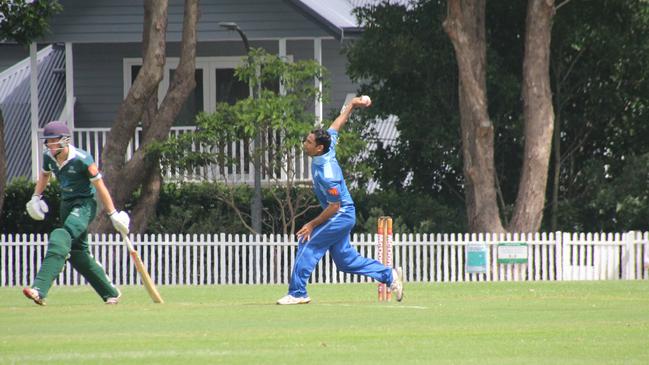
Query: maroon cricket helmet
{"points": [[55, 129]]}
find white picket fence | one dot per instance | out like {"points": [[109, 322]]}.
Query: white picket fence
{"points": [[268, 259]]}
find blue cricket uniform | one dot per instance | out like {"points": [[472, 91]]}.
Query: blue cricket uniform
{"points": [[333, 235]]}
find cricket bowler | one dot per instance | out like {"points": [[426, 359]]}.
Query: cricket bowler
{"points": [[79, 179], [330, 230]]}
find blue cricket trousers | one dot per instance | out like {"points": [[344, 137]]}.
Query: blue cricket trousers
{"points": [[333, 235]]}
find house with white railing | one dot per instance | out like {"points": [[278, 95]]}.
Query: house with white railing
{"points": [[82, 69]]}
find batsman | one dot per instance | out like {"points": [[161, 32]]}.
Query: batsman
{"points": [[330, 230], [79, 179]]}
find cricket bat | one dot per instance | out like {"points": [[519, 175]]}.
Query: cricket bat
{"points": [[144, 275]]}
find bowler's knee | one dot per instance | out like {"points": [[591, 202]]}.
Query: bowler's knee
{"points": [[304, 268], [343, 260]]}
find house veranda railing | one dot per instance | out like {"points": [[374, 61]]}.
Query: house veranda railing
{"points": [[92, 140]]}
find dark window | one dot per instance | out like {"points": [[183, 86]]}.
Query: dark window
{"points": [[228, 88], [135, 69], [194, 103]]}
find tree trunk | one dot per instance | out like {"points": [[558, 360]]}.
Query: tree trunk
{"points": [[146, 204], [181, 86], [556, 149], [146, 83], [3, 163], [465, 26], [137, 172], [131, 110], [539, 118]]}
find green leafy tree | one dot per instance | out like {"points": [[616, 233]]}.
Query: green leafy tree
{"points": [[599, 76], [600, 68], [282, 119], [24, 21], [415, 85]]}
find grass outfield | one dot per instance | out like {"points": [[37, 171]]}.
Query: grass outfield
{"points": [[460, 323]]}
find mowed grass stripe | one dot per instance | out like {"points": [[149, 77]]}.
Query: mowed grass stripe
{"points": [[448, 323]]}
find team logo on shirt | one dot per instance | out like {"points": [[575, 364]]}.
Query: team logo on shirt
{"points": [[333, 191]]}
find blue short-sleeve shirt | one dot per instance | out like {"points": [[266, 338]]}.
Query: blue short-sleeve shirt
{"points": [[328, 182]]}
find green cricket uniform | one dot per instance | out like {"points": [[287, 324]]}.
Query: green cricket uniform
{"points": [[78, 209], [74, 174]]}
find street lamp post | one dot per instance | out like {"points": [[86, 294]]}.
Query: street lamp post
{"points": [[256, 204]]}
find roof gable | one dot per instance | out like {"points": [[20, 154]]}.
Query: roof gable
{"points": [[338, 15], [334, 14]]}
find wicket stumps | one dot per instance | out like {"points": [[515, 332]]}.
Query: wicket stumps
{"points": [[384, 251]]}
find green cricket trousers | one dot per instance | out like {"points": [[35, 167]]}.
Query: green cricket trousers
{"points": [[71, 243]]}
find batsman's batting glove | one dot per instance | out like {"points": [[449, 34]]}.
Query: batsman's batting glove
{"points": [[36, 208], [120, 221]]}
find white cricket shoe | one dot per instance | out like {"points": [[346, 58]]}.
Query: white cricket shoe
{"points": [[397, 283], [33, 294], [114, 300], [289, 299]]}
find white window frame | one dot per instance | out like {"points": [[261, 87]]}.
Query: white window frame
{"points": [[207, 64]]}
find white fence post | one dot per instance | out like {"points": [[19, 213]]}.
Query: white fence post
{"points": [[557, 263], [645, 257], [564, 251], [628, 256]]}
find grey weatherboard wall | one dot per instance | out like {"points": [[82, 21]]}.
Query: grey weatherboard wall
{"points": [[11, 54], [98, 73], [120, 21], [99, 79]]}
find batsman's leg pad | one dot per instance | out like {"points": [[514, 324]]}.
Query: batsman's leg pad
{"points": [[60, 242], [57, 250], [87, 266]]}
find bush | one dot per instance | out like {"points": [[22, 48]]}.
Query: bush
{"points": [[195, 208], [188, 208], [14, 216], [410, 212]]}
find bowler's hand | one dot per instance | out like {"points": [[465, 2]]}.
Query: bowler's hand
{"points": [[363, 101], [304, 234]]}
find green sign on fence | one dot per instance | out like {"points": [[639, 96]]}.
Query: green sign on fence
{"points": [[476, 258], [512, 253]]}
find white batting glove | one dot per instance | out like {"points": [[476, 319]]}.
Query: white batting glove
{"points": [[120, 221], [36, 208]]}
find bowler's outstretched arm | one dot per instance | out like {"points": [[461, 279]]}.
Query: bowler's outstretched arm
{"points": [[359, 101]]}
